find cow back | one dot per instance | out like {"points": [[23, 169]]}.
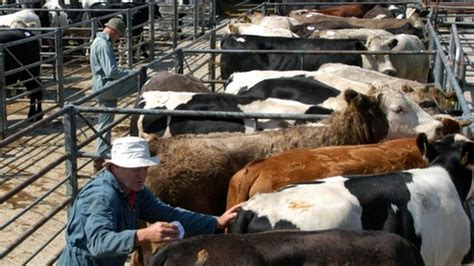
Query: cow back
{"points": [[239, 62], [20, 55]]}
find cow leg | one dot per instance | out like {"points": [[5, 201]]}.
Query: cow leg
{"points": [[36, 99], [35, 105]]}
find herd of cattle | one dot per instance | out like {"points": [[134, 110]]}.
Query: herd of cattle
{"points": [[345, 178]]}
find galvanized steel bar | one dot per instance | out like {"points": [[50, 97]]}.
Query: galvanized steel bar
{"points": [[70, 124], [450, 76], [129, 39], [59, 67], [151, 18], [33, 204], [33, 228], [196, 19], [108, 87], [37, 251], [27, 130], [212, 61], [3, 95], [458, 55], [175, 24], [298, 52], [8, 195], [219, 114]]}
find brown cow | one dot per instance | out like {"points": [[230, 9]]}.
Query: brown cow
{"points": [[308, 164], [164, 81], [310, 17], [353, 10], [195, 170]]}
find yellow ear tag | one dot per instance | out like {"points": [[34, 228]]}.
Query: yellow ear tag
{"points": [[202, 257]]}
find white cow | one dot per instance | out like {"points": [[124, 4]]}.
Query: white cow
{"points": [[406, 117], [26, 16], [413, 66], [258, 30], [56, 18], [341, 34], [281, 22]]}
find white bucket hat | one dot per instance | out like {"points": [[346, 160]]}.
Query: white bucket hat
{"points": [[132, 152]]}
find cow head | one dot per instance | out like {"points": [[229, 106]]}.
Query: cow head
{"points": [[405, 117], [432, 99], [455, 153], [367, 111], [380, 62]]}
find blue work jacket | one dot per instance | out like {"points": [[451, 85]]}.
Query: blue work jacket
{"points": [[102, 225], [104, 66]]}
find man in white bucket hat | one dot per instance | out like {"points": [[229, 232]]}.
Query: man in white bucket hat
{"points": [[102, 223]]}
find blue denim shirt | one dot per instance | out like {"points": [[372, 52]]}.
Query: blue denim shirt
{"points": [[101, 226], [104, 66]]}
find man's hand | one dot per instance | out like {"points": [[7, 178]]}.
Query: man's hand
{"points": [[224, 220], [157, 232]]}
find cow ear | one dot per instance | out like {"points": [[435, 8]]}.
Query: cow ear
{"points": [[232, 28], [350, 95], [467, 153], [464, 123], [424, 146], [393, 43], [379, 97], [406, 89]]}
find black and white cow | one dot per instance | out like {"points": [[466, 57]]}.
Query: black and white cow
{"points": [[18, 56], [425, 206], [330, 247], [239, 62], [301, 89], [177, 125]]}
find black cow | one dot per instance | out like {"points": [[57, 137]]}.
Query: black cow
{"points": [[299, 89], [21, 55], [330, 247], [240, 62]]}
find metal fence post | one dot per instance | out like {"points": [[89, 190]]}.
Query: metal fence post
{"points": [[151, 17], [129, 39], [3, 95], [71, 150], [212, 60], [438, 70], [264, 8], [196, 19], [212, 19], [93, 29], [175, 24], [179, 61], [59, 66]]}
